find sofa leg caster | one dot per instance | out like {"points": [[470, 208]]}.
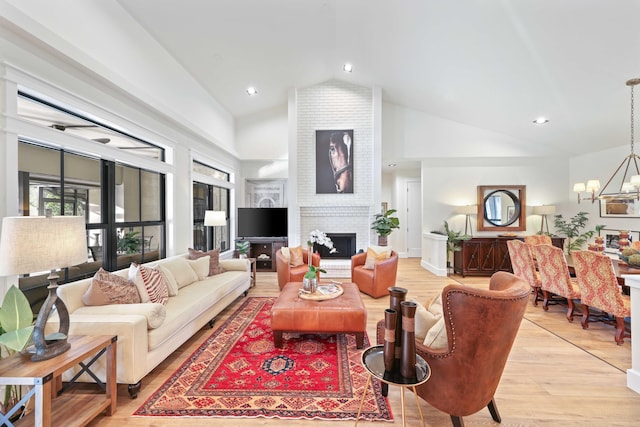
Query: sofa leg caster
{"points": [[245, 293], [211, 322], [134, 389]]}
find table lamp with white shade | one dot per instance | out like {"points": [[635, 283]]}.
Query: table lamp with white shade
{"points": [[543, 211], [31, 244], [467, 211]]}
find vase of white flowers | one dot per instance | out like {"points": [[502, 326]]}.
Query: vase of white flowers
{"points": [[320, 238]]}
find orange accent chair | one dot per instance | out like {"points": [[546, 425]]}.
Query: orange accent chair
{"points": [[288, 273], [555, 278], [599, 288], [524, 266], [481, 327], [374, 282]]}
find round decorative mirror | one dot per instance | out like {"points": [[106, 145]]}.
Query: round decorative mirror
{"points": [[501, 208]]}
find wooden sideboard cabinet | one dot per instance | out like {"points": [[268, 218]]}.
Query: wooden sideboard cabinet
{"points": [[483, 256], [264, 249]]}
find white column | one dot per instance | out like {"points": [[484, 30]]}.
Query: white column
{"points": [[633, 374]]}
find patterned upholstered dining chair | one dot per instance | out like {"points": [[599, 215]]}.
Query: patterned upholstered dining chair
{"points": [[524, 267], [599, 289], [555, 278], [537, 239]]}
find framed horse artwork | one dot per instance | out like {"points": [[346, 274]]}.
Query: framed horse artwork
{"points": [[334, 161]]}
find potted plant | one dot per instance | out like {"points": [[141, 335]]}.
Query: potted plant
{"points": [[572, 230], [16, 327], [383, 224], [453, 241], [129, 243], [310, 279], [242, 246]]}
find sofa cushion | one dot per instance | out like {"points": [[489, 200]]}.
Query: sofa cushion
{"points": [[436, 336], [214, 260], [380, 249], [200, 266], [155, 313], [374, 256], [296, 257], [108, 288], [181, 271], [193, 301], [425, 319], [154, 284], [172, 285], [136, 277]]}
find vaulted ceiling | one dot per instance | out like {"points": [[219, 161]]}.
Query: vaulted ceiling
{"points": [[491, 64]]}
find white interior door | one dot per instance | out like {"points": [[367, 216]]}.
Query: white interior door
{"points": [[414, 219]]}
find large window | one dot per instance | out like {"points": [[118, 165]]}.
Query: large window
{"points": [[123, 207], [210, 193], [210, 197]]}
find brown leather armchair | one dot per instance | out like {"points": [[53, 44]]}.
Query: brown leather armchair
{"points": [[481, 328], [287, 273], [374, 282]]}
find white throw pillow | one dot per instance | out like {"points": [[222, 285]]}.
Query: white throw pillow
{"points": [[172, 285], [182, 271], [436, 337], [285, 253], [424, 321], [200, 266]]}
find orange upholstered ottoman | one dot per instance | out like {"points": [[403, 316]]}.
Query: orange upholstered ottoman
{"points": [[344, 314]]}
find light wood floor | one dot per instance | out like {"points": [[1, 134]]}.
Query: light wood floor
{"points": [[557, 375]]}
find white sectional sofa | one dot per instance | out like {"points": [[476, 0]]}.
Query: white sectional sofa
{"points": [[149, 332]]}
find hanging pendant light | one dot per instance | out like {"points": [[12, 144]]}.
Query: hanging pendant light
{"points": [[629, 189]]}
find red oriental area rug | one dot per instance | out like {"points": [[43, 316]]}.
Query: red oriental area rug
{"points": [[237, 372]]}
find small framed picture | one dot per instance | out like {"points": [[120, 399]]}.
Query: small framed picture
{"points": [[619, 208], [612, 237]]}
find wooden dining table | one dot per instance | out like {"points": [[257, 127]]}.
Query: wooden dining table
{"points": [[619, 267]]}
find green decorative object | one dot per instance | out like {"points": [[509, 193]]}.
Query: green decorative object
{"points": [[16, 328], [572, 230], [242, 247], [384, 224], [453, 241]]}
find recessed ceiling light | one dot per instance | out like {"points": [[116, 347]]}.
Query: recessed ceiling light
{"points": [[541, 120], [392, 165], [347, 67], [252, 91]]}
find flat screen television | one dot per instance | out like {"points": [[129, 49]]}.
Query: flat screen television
{"points": [[262, 222]]}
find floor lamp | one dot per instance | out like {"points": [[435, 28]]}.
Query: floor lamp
{"points": [[467, 211], [215, 219], [543, 211], [30, 244]]}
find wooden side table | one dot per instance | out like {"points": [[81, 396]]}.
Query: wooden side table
{"points": [[373, 361], [45, 377]]}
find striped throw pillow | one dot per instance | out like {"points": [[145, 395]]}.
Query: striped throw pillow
{"points": [[154, 284]]}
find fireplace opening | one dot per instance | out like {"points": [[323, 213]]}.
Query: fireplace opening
{"points": [[345, 243]]}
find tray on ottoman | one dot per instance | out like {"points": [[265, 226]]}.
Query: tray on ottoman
{"points": [[344, 314]]}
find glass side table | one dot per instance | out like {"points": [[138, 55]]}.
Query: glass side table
{"points": [[373, 361]]}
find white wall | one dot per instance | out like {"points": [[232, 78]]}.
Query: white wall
{"points": [[263, 136], [447, 184], [124, 54], [599, 165]]}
